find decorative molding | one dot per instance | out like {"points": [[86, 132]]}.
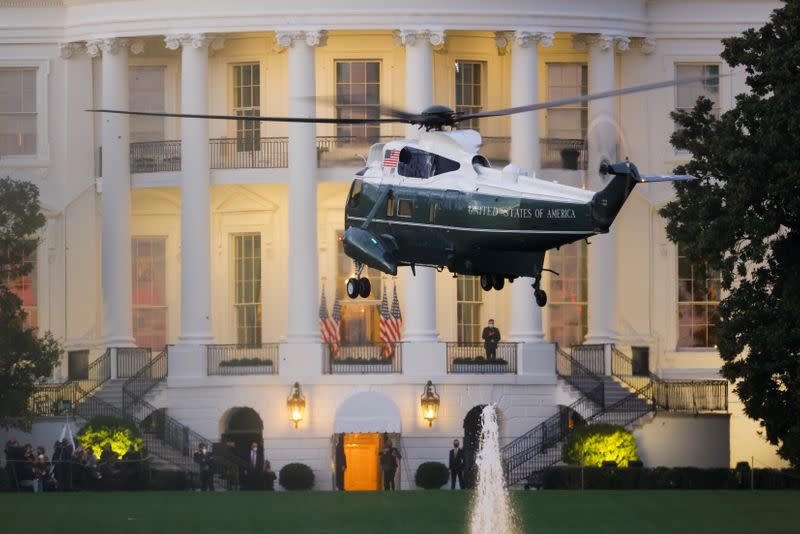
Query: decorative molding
{"points": [[648, 45], [524, 39], [309, 37], [412, 37], [603, 41], [195, 40], [107, 46], [137, 47], [67, 50]]}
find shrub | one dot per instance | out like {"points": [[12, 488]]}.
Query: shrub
{"points": [[121, 433], [296, 476], [5, 483], [245, 362], [591, 445], [661, 478], [431, 475]]}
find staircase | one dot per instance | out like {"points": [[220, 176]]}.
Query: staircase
{"points": [[623, 398]]}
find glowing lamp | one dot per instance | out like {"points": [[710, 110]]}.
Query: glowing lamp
{"points": [[296, 404], [430, 403]]}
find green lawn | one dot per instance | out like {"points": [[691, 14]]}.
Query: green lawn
{"points": [[422, 512]]}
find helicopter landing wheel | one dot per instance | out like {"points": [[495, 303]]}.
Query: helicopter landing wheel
{"points": [[486, 282], [498, 281], [352, 287], [364, 288], [541, 297]]}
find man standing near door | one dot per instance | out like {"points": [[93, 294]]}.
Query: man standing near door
{"points": [[255, 467], [456, 465]]}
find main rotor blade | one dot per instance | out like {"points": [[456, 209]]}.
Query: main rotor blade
{"points": [[313, 120], [585, 98]]}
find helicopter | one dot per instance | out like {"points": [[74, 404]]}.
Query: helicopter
{"points": [[435, 201]]}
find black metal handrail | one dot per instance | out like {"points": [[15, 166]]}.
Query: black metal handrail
{"points": [[131, 359], [49, 399], [693, 396], [373, 358], [463, 357], [263, 153], [592, 357], [143, 381], [242, 360], [581, 378]]}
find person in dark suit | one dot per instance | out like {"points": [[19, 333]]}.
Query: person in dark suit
{"points": [[205, 460], [255, 468], [456, 465], [340, 463], [389, 462], [491, 337]]}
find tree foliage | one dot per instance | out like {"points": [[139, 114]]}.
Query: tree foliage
{"points": [[742, 216], [591, 445], [25, 358]]}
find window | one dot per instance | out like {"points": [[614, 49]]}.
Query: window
{"points": [[687, 95], [566, 80], [18, 113], [469, 300], [149, 292], [247, 283], [568, 297], [416, 163], [358, 96], [360, 323], [405, 207], [247, 103], [146, 93], [24, 287], [698, 302], [469, 89]]}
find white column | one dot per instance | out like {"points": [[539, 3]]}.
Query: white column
{"points": [[116, 195], [303, 264], [602, 141], [195, 191], [420, 290], [526, 316]]}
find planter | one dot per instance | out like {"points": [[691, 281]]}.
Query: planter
{"points": [[361, 368], [245, 369], [480, 368]]}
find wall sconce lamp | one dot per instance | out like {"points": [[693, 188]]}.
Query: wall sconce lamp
{"points": [[430, 403], [296, 404]]}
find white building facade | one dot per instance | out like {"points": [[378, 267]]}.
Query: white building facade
{"points": [[218, 238]]}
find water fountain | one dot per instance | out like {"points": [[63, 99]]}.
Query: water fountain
{"points": [[492, 512]]}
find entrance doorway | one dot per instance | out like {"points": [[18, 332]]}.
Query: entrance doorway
{"points": [[363, 469]]}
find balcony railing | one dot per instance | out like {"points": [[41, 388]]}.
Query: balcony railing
{"points": [[376, 358], [131, 360], [332, 151], [242, 360], [472, 358]]}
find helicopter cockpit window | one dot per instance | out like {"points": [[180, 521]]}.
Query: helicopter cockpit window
{"points": [[416, 163], [355, 193]]}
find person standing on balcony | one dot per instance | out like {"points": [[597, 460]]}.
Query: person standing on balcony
{"points": [[491, 337], [456, 464]]}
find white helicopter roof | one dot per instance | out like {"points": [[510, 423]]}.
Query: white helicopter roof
{"points": [[472, 175]]}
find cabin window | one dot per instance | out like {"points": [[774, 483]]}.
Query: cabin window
{"points": [[416, 163], [390, 207], [432, 215], [355, 193], [404, 207]]}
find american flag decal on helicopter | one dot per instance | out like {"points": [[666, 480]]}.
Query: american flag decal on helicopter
{"points": [[391, 158]]}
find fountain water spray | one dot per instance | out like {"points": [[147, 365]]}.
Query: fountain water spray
{"points": [[492, 512]]}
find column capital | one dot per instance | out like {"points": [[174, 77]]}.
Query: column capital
{"points": [[287, 39], [524, 38], [603, 41], [67, 50], [111, 46], [412, 37], [195, 40], [647, 45]]}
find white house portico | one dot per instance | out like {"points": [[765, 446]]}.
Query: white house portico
{"points": [[199, 251]]}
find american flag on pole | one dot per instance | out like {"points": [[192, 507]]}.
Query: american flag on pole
{"points": [[397, 317], [328, 327], [390, 323], [336, 319], [391, 158]]}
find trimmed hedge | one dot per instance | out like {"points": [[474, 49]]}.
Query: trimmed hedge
{"points": [[664, 478], [296, 476], [592, 445], [431, 475]]}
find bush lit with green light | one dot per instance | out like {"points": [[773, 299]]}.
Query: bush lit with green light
{"points": [[118, 432], [591, 445]]}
